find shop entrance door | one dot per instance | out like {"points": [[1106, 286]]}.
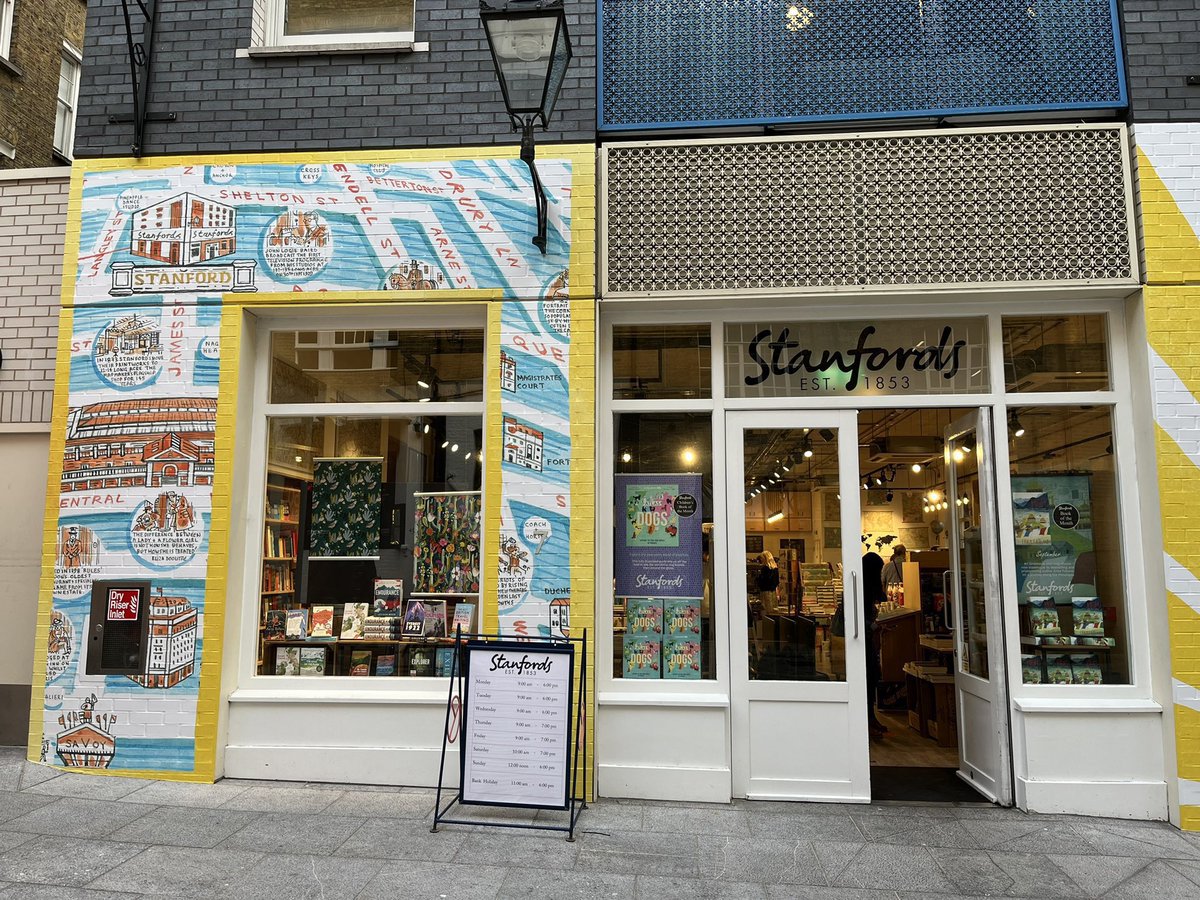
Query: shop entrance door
{"points": [[974, 610], [798, 673]]}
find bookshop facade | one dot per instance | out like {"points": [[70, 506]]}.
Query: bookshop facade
{"points": [[302, 402]]}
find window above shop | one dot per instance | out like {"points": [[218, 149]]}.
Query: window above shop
{"points": [[1056, 353], [291, 26], [662, 362]]}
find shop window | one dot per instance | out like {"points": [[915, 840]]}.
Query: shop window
{"points": [[371, 544], [1055, 353], [381, 366], [1066, 520], [663, 623], [662, 362]]}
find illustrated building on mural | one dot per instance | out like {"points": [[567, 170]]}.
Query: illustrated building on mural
{"points": [[86, 741], [508, 372], [523, 444], [171, 655], [129, 335], [184, 229], [140, 443]]}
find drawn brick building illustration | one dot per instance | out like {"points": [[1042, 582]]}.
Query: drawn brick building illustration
{"points": [[171, 656], [523, 444], [183, 230], [129, 335]]}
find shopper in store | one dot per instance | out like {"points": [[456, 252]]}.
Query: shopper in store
{"points": [[874, 577], [893, 572]]}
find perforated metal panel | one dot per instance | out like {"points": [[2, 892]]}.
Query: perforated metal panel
{"points": [[929, 208], [708, 62]]}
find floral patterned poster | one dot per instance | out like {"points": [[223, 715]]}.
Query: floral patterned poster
{"points": [[345, 508], [446, 544]]}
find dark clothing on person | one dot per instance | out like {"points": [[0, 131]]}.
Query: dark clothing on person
{"points": [[768, 578], [872, 566]]}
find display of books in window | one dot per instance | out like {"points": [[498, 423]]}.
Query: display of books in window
{"points": [[354, 621], [464, 617], [385, 664], [312, 660], [388, 599], [275, 624], [296, 628], [1043, 616], [321, 624], [287, 660], [421, 661], [1085, 669], [443, 662], [382, 628], [360, 662]]}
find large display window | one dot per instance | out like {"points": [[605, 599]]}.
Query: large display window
{"points": [[371, 529]]}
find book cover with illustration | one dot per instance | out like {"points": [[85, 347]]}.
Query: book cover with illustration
{"points": [[1086, 669], [681, 616], [681, 657], [386, 664], [1043, 616], [360, 661], [321, 626], [275, 625], [1096, 641], [464, 617], [414, 618], [420, 661], [643, 657], [644, 616], [354, 621], [1031, 668], [1058, 668], [297, 624], [1031, 517], [650, 516], [444, 662], [287, 660], [435, 618], [1087, 616], [312, 660], [389, 597]]}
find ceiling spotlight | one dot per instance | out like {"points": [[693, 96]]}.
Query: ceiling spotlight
{"points": [[1014, 425], [806, 446], [775, 517], [426, 429], [878, 481], [916, 467], [959, 456], [423, 384], [889, 496], [626, 457], [454, 448], [934, 496], [966, 500], [688, 456], [826, 435], [445, 444], [299, 459], [423, 399], [786, 465]]}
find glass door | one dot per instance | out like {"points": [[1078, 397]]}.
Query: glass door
{"points": [[797, 632], [975, 611]]}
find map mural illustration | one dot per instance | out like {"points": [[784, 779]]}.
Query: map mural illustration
{"points": [[158, 249]]}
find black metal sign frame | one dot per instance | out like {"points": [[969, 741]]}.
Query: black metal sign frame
{"points": [[457, 713]]}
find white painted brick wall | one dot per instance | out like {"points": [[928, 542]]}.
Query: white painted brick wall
{"points": [[33, 218]]}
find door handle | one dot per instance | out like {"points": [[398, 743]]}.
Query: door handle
{"points": [[854, 600], [946, 600]]}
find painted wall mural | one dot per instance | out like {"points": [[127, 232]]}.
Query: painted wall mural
{"points": [[157, 249]]}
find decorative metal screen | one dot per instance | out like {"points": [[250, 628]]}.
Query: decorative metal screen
{"points": [[668, 64], [931, 208]]}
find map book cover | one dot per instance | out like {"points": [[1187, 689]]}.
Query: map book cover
{"points": [[287, 660], [389, 597], [1087, 616], [312, 660], [1043, 616], [321, 625], [354, 620], [1058, 668], [360, 661], [681, 617], [643, 657], [297, 624], [681, 657], [644, 616]]}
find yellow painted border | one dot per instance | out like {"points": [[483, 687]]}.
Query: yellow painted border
{"points": [[493, 479]]}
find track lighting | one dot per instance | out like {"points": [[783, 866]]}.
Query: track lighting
{"points": [[807, 447], [1014, 424]]}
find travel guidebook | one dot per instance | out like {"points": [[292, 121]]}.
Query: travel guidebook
{"points": [[681, 657], [643, 657], [1043, 616], [643, 615], [389, 597], [464, 617], [1085, 669], [322, 624]]}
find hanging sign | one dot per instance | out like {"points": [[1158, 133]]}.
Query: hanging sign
{"points": [[517, 724], [659, 536], [855, 359]]}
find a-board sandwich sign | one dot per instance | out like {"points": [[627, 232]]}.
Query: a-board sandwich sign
{"points": [[517, 743]]}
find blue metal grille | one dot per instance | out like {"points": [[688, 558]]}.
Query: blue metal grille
{"points": [[728, 62]]}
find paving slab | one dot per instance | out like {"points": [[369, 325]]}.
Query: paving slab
{"points": [[424, 879], [319, 834], [183, 793], [657, 887], [1036, 875], [397, 839], [64, 861], [307, 877], [696, 821], [502, 848], [1097, 875], [10, 839], [75, 817], [281, 799], [1158, 880], [91, 787], [765, 860], [804, 827], [381, 805], [898, 867], [13, 804], [186, 826], [56, 892], [551, 885], [181, 872]]}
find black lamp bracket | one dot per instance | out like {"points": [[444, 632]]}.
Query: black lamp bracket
{"points": [[526, 126], [140, 49]]}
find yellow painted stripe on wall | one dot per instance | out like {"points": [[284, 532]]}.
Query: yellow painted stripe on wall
{"points": [[492, 477], [1171, 244], [1178, 486], [1187, 732], [1184, 625]]}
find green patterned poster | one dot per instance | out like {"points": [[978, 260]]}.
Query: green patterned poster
{"points": [[345, 508], [446, 543]]}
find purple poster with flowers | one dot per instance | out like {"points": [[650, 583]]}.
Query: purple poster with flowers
{"points": [[658, 540]]}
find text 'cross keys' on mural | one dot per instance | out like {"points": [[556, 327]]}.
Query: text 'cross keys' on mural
{"points": [[140, 53]]}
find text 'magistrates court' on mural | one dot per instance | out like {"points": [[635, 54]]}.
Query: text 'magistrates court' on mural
{"points": [[158, 249]]}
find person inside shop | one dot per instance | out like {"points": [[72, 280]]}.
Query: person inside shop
{"points": [[873, 594], [893, 572], [768, 581]]}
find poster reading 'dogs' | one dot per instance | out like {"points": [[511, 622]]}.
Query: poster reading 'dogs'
{"points": [[658, 547]]}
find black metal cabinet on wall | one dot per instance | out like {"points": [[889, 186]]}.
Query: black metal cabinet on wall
{"points": [[224, 102]]}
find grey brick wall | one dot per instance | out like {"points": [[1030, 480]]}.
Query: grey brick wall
{"points": [[1162, 40], [446, 96], [33, 216]]}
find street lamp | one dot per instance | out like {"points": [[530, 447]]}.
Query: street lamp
{"points": [[531, 51]]}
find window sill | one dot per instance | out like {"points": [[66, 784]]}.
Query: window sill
{"points": [[423, 695], [7, 65], [1086, 705], [329, 47]]}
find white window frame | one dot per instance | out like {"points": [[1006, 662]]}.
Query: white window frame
{"points": [[7, 8], [268, 37], [75, 58]]}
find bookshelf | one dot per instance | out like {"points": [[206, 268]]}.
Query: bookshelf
{"points": [[279, 577]]}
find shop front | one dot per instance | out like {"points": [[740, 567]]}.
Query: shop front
{"points": [[925, 570], [305, 406]]}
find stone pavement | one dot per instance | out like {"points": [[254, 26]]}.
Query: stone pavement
{"points": [[78, 836]]}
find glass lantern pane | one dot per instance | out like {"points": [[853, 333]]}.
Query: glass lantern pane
{"points": [[523, 49]]}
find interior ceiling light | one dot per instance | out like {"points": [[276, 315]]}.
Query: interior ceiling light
{"points": [[807, 447], [626, 457], [1014, 425], [426, 428], [826, 435], [445, 444], [775, 517], [958, 454], [688, 456], [422, 383], [916, 467]]}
